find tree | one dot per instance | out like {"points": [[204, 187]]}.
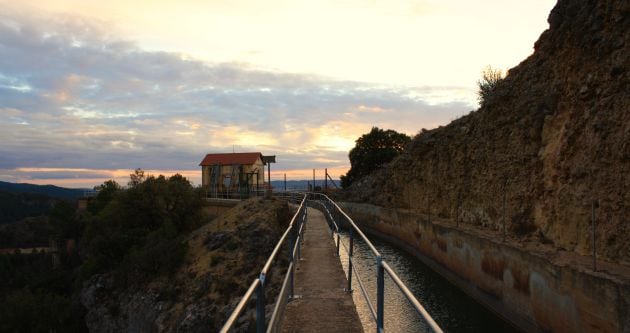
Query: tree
{"points": [[490, 79], [136, 177], [105, 193], [373, 150], [64, 222], [138, 232]]}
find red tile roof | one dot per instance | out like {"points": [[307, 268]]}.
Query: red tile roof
{"points": [[231, 158]]}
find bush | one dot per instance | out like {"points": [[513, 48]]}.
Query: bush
{"points": [[490, 79]]}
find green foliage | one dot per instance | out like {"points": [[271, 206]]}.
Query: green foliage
{"points": [[106, 193], [490, 79], [27, 311], [373, 150], [157, 257], [29, 232], [64, 222], [137, 232], [36, 297]]}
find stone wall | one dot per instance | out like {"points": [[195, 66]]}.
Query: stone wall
{"points": [[529, 289]]}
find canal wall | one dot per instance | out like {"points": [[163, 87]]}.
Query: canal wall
{"points": [[527, 288]]}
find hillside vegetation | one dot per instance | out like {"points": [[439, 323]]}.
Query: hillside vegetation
{"points": [[145, 258], [222, 259], [552, 140], [131, 235]]}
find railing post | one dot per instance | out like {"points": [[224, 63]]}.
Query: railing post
{"points": [[349, 289], [299, 239], [302, 220], [380, 294], [260, 305], [291, 261]]}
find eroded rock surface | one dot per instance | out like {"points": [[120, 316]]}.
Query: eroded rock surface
{"points": [[552, 139]]}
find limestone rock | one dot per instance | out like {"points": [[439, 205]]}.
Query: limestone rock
{"points": [[553, 139]]}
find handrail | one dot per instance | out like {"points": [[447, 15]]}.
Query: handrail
{"points": [[241, 306], [381, 268], [276, 249], [297, 227], [403, 288], [355, 227], [364, 292], [259, 283]]}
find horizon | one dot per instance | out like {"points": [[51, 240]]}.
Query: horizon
{"points": [[123, 182], [91, 91]]}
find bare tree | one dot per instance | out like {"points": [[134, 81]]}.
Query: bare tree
{"points": [[136, 177]]}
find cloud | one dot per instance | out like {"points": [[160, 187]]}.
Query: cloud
{"points": [[74, 96]]}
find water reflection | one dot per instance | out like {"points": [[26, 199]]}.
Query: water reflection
{"points": [[451, 308]]}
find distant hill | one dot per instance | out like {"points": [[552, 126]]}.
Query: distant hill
{"points": [[19, 201], [49, 190], [17, 206]]}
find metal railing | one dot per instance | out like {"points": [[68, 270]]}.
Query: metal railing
{"points": [[293, 235], [335, 215], [234, 192]]}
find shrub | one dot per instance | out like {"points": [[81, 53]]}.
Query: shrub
{"points": [[490, 79]]}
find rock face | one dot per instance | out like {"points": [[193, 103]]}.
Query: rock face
{"points": [[223, 258], [551, 141]]}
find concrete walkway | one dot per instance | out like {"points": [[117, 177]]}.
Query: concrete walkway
{"points": [[323, 306]]}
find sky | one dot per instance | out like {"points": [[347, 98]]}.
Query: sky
{"points": [[90, 90]]}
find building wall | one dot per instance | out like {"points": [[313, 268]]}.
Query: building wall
{"points": [[227, 170]]}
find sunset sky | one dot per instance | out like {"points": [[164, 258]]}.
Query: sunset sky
{"points": [[90, 90]]}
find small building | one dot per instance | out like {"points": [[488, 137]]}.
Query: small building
{"points": [[232, 174]]}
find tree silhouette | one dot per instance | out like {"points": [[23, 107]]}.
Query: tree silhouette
{"points": [[373, 150]]}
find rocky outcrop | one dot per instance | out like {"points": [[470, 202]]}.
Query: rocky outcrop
{"points": [[550, 143], [223, 258]]}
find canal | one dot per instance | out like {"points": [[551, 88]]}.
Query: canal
{"points": [[452, 309]]}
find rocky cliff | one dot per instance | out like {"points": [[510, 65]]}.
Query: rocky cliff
{"points": [[550, 143], [223, 258]]}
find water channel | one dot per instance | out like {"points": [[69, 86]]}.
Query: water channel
{"points": [[452, 309]]}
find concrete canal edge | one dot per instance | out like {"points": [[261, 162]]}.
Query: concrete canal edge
{"points": [[526, 288]]}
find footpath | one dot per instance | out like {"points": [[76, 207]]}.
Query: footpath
{"points": [[322, 304]]}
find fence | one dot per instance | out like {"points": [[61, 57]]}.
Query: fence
{"points": [[293, 235], [239, 193], [335, 215]]}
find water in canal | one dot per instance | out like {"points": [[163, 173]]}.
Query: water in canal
{"points": [[452, 309]]}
